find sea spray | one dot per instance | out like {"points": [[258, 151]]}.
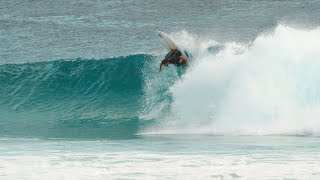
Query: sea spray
{"points": [[270, 86]]}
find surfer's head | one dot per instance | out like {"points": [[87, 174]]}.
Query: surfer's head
{"points": [[165, 62]]}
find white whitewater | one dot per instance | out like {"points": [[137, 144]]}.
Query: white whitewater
{"points": [[270, 86]]}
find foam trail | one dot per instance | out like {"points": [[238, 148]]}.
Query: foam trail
{"points": [[271, 88]]}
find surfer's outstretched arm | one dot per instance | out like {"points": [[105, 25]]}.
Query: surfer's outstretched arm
{"points": [[164, 62], [160, 67], [185, 60]]}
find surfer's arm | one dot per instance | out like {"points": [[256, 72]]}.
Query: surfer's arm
{"points": [[185, 60], [160, 67]]}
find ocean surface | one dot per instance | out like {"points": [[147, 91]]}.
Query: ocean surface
{"points": [[81, 96]]}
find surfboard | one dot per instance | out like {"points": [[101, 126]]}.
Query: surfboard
{"points": [[169, 44]]}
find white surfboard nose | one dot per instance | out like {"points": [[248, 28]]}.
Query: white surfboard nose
{"points": [[166, 40]]}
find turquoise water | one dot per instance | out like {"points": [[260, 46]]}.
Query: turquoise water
{"points": [[81, 96]]}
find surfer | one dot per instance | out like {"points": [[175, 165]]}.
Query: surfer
{"points": [[174, 57]]}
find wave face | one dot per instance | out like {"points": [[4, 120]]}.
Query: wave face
{"points": [[75, 98], [270, 86]]}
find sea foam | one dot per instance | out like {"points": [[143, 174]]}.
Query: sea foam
{"points": [[269, 86]]}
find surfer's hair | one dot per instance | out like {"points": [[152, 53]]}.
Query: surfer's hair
{"points": [[165, 61]]}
